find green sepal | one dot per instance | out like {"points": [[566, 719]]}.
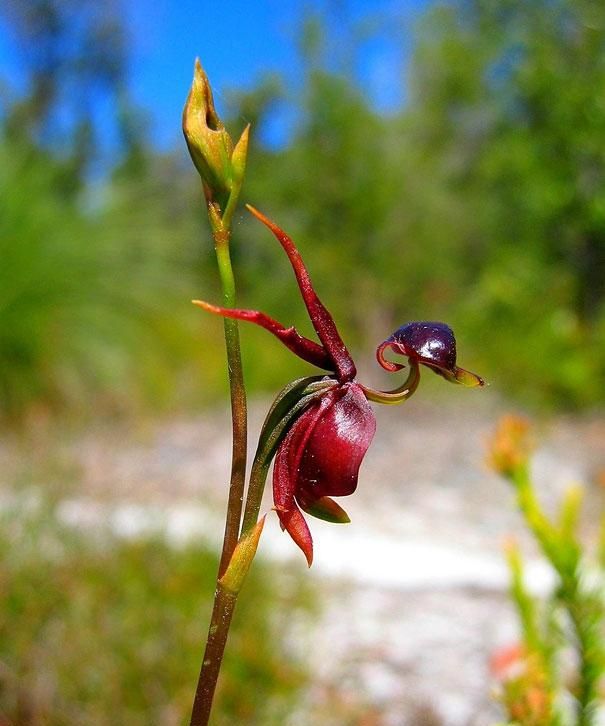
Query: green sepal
{"points": [[461, 376], [325, 508], [239, 157], [287, 406]]}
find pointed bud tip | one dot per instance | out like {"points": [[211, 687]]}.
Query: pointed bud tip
{"points": [[262, 218], [254, 212], [209, 144]]}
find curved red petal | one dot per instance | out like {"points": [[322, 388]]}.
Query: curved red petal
{"points": [[284, 485], [387, 364]]}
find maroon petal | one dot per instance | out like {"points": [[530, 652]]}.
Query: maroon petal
{"points": [[320, 457], [284, 485], [334, 449], [431, 343]]}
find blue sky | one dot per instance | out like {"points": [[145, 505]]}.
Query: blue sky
{"points": [[238, 41]]}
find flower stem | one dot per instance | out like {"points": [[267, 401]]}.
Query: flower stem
{"points": [[238, 405], [221, 165], [222, 612], [224, 602]]}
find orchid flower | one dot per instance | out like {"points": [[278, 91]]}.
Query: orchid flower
{"points": [[324, 444]]}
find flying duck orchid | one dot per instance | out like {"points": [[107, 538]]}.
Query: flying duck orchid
{"points": [[325, 424]]}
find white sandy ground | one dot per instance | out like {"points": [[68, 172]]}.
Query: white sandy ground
{"points": [[413, 590]]}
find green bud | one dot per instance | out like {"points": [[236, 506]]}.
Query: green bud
{"points": [[209, 143]]}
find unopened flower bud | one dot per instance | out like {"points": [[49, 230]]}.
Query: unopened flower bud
{"points": [[209, 143]]}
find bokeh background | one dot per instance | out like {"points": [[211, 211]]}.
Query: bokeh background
{"points": [[434, 160]]}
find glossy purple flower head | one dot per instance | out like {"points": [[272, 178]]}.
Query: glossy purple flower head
{"points": [[432, 344], [324, 445]]}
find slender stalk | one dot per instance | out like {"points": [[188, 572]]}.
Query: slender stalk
{"points": [[221, 166], [224, 602], [238, 405], [583, 609], [222, 612]]}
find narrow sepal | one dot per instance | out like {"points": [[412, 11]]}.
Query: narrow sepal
{"points": [[240, 155], [294, 524], [304, 348], [320, 317]]}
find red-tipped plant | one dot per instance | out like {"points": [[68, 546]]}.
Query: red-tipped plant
{"points": [[323, 446], [319, 428]]}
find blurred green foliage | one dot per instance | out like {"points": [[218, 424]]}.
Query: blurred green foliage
{"points": [[555, 675], [480, 203], [93, 304], [91, 627]]}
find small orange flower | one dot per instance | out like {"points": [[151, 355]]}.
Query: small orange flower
{"points": [[511, 445]]}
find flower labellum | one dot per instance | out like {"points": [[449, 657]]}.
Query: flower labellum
{"points": [[432, 344]]}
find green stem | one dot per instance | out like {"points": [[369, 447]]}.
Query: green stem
{"points": [[222, 612], [224, 602], [238, 404]]}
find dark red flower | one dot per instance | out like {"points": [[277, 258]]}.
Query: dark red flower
{"points": [[320, 458], [323, 448]]}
